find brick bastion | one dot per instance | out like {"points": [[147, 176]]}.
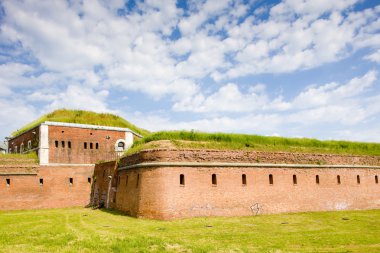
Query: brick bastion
{"points": [[173, 183]]}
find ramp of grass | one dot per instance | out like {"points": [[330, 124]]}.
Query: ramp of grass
{"points": [[223, 141], [85, 230], [83, 117]]}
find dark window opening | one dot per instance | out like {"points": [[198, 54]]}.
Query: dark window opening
{"points": [[71, 181], [56, 144], [63, 131], [89, 180], [244, 179], [358, 179], [137, 181], [126, 181], [85, 145], [8, 180], [214, 182], [104, 173], [317, 179], [97, 145], [270, 179], [294, 179], [91, 146], [338, 179], [90, 133], [41, 181], [69, 144], [63, 144], [182, 179], [120, 146], [376, 179]]}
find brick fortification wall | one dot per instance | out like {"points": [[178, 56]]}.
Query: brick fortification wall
{"points": [[159, 193], [26, 191]]}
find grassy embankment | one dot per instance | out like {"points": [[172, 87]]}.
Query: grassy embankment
{"points": [[83, 117], [222, 141], [29, 158], [85, 230]]}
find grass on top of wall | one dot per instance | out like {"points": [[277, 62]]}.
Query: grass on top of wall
{"points": [[17, 158], [83, 117], [224, 141], [86, 230]]}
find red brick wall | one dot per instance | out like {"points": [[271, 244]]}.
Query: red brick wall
{"points": [[24, 138], [77, 154], [161, 196], [237, 156], [100, 188], [25, 192]]}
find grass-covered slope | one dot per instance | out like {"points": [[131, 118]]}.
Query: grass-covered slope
{"points": [[30, 158], [86, 230], [83, 117], [222, 141]]}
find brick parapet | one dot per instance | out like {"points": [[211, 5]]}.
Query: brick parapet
{"points": [[232, 156]]}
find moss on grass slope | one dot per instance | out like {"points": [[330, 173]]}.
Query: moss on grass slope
{"points": [[223, 141], [83, 117]]}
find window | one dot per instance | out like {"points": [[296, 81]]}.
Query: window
{"points": [[338, 179], [294, 179], [317, 179], [120, 146], [69, 144], [85, 145], [71, 181], [91, 146], [182, 179], [118, 180], [89, 180], [97, 145], [22, 147], [16, 149], [29, 144], [10, 151], [213, 180], [41, 181], [137, 181], [126, 181], [376, 180], [63, 144], [104, 173], [358, 179], [244, 179], [56, 144], [270, 179], [8, 181]]}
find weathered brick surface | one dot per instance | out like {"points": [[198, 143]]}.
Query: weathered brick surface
{"points": [[187, 155], [160, 195], [31, 135], [25, 192], [77, 154]]}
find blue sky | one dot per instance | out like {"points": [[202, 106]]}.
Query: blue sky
{"points": [[300, 68]]}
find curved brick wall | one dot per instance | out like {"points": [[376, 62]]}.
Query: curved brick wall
{"points": [[171, 155], [160, 194]]}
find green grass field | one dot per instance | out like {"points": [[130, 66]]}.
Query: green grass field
{"points": [[86, 230], [223, 141]]}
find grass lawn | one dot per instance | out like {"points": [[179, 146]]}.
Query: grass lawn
{"points": [[86, 230]]}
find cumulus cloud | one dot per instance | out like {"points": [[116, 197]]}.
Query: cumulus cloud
{"points": [[75, 53]]}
